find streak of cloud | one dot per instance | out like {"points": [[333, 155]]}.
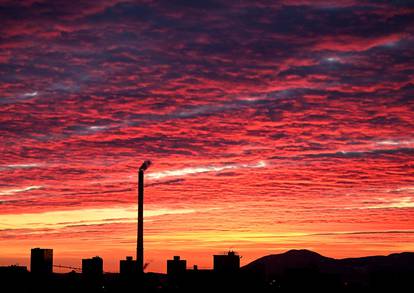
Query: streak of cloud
{"points": [[19, 190], [202, 169]]}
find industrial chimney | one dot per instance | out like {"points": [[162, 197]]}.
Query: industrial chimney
{"points": [[140, 230]]}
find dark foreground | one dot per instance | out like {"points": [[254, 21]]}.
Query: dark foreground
{"points": [[294, 271]]}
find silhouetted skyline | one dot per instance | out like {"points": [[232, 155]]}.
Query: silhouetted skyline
{"points": [[288, 272]]}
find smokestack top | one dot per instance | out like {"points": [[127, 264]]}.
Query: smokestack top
{"points": [[145, 165]]}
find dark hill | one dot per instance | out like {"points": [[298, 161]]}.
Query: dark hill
{"points": [[292, 259], [306, 259], [304, 266]]}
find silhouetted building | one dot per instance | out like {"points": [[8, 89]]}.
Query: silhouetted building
{"points": [[227, 263], [14, 278], [92, 267], [13, 269], [176, 266], [41, 261], [128, 267]]}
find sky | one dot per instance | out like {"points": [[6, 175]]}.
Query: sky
{"points": [[271, 125]]}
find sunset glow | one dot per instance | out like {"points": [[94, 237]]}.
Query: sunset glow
{"points": [[270, 127]]}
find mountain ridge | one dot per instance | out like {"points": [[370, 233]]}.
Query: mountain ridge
{"points": [[277, 264]]}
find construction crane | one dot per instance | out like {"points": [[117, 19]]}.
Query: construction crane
{"points": [[79, 270], [69, 267]]}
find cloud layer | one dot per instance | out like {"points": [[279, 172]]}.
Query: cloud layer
{"points": [[278, 125]]}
